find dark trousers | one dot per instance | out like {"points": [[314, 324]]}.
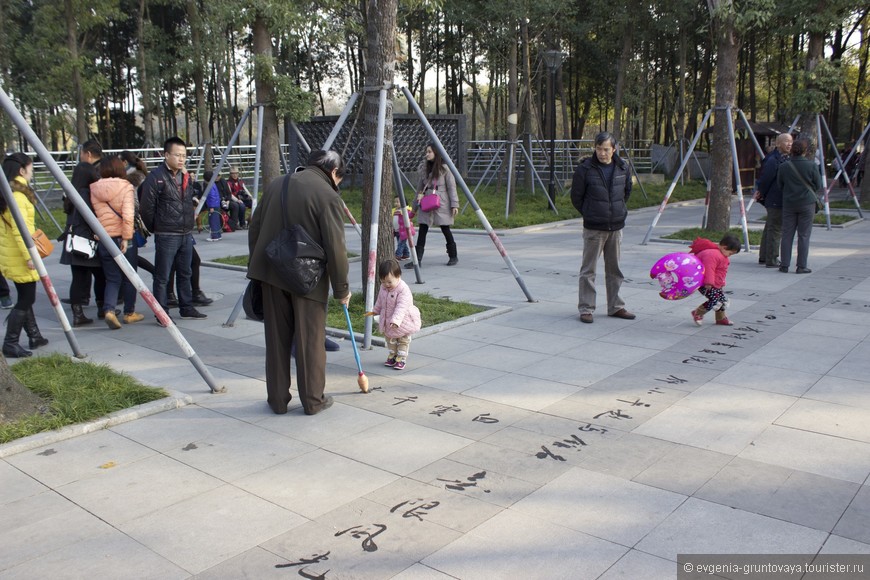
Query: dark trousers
{"points": [[771, 236], [80, 287], [215, 224], [173, 251], [288, 317], [194, 272], [26, 295], [4, 287], [423, 231], [116, 280], [797, 220]]}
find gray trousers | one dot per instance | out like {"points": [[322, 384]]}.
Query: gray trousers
{"points": [[596, 243], [800, 220], [771, 237]]}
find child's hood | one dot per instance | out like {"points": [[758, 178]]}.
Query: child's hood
{"points": [[701, 244]]}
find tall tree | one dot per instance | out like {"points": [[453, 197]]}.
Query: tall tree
{"points": [[731, 21], [380, 72]]}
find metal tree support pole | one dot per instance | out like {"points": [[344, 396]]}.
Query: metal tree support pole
{"points": [[852, 152], [106, 240], [512, 151], [537, 176], [841, 170], [736, 163], [461, 182], [634, 172], [757, 148], [333, 135], [677, 176], [371, 273], [300, 137], [224, 156], [40, 266], [400, 191], [486, 175], [820, 151], [257, 158]]}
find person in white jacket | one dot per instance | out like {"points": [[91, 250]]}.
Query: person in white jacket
{"points": [[399, 318]]}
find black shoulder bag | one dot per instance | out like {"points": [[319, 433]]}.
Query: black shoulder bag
{"points": [[298, 260]]}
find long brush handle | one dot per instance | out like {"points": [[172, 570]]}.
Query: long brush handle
{"points": [[352, 339]]}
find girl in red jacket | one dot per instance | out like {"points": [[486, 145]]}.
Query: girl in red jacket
{"points": [[716, 262], [399, 318]]}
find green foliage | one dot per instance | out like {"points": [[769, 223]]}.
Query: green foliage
{"points": [[433, 311], [75, 392], [291, 101], [815, 87]]}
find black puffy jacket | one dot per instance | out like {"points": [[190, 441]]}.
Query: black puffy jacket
{"points": [[602, 205], [164, 207]]}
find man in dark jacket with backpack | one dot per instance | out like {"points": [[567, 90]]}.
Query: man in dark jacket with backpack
{"points": [[600, 190], [167, 206]]}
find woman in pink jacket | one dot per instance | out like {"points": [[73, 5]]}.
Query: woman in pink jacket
{"points": [[113, 199], [399, 318], [715, 258]]}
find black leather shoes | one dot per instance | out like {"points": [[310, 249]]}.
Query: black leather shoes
{"points": [[624, 314], [802, 271], [783, 269]]}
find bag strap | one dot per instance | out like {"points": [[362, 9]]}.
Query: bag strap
{"points": [[801, 177], [285, 189]]}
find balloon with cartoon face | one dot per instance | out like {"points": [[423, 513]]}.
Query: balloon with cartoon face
{"points": [[678, 274]]}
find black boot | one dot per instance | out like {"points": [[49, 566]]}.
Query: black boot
{"points": [[171, 300], [451, 253], [14, 324], [32, 330], [410, 265], [79, 318], [200, 299]]}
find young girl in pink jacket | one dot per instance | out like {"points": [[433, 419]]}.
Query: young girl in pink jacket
{"points": [[399, 318], [715, 259]]}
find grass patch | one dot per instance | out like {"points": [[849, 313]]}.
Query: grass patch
{"points": [[44, 223], [849, 204], [689, 234], [432, 310], [532, 209], [837, 219], [75, 392]]}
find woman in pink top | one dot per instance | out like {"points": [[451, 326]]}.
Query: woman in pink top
{"points": [[399, 318], [715, 258], [114, 204]]}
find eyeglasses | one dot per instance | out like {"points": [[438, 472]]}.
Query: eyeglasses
{"points": [[178, 155]]}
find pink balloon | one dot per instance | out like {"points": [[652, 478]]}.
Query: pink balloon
{"points": [[679, 274]]}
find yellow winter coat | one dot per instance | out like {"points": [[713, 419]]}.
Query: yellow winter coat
{"points": [[13, 252]]}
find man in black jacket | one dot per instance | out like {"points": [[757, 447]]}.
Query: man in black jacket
{"points": [[167, 206], [600, 190]]}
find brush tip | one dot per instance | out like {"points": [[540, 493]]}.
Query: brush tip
{"points": [[363, 382]]}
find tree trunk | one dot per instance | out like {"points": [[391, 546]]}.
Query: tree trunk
{"points": [[16, 400], [380, 71], [270, 168], [144, 89], [621, 69], [513, 113], [72, 45], [722, 171], [195, 23]]}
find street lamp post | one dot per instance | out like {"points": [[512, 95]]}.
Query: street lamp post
{"points": [[553, 60]]}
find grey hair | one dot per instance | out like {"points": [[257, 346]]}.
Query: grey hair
{"points": [[605, 136], [327, 161]]}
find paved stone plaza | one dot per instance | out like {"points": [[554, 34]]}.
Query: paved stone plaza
{"points": [[524, 445]]}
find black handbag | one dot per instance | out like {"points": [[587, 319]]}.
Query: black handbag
{"points": [[298, 260], [253, 300]]}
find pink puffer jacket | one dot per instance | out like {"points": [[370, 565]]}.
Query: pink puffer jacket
{"points": [[396, 306]]}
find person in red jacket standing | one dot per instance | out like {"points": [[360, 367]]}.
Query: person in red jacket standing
{"points": [[715, 258]]}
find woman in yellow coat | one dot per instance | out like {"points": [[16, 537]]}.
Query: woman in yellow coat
{"points": [[15, 259]]}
